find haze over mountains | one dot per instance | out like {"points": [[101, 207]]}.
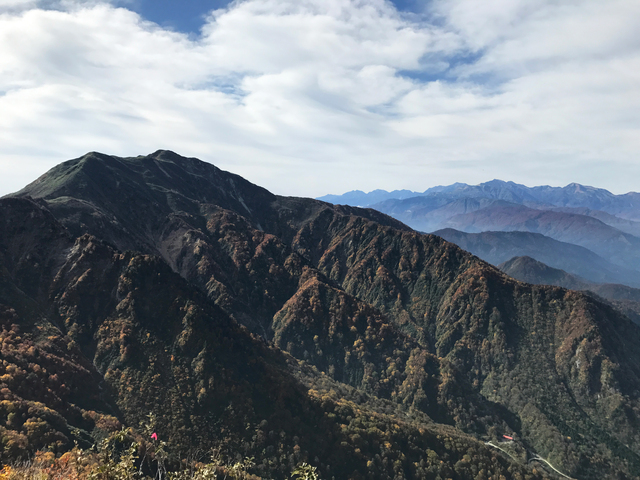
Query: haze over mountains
{"points": [[483, 219], [622, 297], [293, 330], [573, 196]]}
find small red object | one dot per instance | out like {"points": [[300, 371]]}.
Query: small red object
{"points": [[154, 436], [507, 437]]}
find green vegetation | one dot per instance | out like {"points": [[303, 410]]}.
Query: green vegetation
{"points": [[292, 333], [121, 457], [126, 455]]}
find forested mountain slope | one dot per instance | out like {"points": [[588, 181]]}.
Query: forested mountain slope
{"points": [[116, 336], [187, 288], [527, 269]]}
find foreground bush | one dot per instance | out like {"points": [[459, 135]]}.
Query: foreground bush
{"points": [[122, 457]]}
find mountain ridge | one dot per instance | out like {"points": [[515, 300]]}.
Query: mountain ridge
{"points": [[498, 247], [590, 197], [625, 299], [608, 242], [409, 328], [589, 217]]}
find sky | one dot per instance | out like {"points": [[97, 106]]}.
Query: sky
{"points": [[311, 97]]}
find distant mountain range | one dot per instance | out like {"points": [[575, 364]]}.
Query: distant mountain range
{"points": [[574, 195], [498, 247], [358, 198], [606, 224]]}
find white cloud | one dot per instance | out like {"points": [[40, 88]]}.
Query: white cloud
{"points": [[314, 96]]}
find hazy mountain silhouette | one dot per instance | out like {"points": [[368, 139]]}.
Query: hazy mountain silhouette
{"points": [[585, 216], [498, 247], [574, 195]]}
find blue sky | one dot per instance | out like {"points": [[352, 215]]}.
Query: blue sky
{"points": [[309, 97], [188, 16]]}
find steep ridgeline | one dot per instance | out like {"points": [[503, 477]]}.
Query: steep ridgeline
{"points": [[116, 335], [418, 327], [210, 226], [527, 269], [526, 348]]}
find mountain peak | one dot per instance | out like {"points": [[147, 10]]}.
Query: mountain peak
{"points": [[410, 319], [140, 190], [173, 157], [161, 169], [576, 187], [497, 181], [165, 153]]}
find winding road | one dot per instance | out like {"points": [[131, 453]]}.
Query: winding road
{"points": [[534, 458]]}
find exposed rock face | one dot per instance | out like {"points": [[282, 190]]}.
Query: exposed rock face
{"points": [[166, 278]]}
